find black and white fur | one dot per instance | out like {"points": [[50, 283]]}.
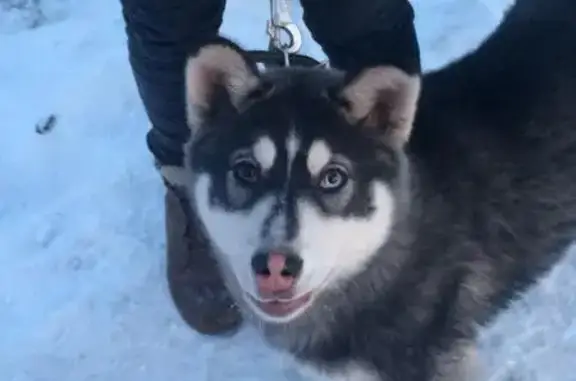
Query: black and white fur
{"points": [[457, 192]]}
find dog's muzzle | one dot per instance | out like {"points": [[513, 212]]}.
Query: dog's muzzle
{"points": [[276, 274]]}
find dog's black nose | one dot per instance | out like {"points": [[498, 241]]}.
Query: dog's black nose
{"points": [[276, 263], [260, 264]]}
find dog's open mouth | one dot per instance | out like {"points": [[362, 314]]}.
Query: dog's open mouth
{"points": [[281, 308]]}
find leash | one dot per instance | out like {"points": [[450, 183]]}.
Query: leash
{"points": [[285, 39], [280, 26]]}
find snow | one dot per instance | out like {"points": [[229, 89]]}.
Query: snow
{"points": [[82, 288]]}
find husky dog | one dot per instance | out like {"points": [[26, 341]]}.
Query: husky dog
{"points": [[370, 223]]}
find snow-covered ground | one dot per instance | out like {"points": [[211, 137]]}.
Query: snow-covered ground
{"points": [[82, 288]]}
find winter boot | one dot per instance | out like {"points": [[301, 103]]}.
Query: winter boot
{"points": [[194, 278]]}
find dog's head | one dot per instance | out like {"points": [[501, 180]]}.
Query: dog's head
{"points": [[296, 174]]}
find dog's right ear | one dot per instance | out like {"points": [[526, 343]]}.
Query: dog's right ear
{"points": [[220, 75]]}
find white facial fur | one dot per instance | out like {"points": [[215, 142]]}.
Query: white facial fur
{"points": [[265, 152], [319, 156], [235, 234], [333, 248]]}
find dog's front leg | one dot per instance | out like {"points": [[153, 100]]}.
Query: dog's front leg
{"points": [[459, 363]]}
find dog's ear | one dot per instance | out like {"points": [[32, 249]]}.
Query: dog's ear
{"points": [[382, 97], [220, 75]]}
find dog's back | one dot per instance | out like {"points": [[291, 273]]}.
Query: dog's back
{"points": [[496, 135]]}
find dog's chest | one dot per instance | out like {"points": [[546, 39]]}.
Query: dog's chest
{"points": [[350, 372]]}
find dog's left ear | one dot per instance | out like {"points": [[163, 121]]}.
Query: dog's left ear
{"points": [[385, 98], [219, 76]]}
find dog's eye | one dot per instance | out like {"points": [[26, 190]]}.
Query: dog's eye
{"points": [[246, 171], [333, 179]]}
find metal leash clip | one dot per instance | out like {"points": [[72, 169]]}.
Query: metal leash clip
{"points": [[283, 32]]}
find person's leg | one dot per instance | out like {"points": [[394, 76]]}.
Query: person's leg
{"points": [[355, 34], [161, 33]]}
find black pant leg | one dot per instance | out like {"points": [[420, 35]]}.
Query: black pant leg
{"points": [[356, 34], [160, 35]]}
